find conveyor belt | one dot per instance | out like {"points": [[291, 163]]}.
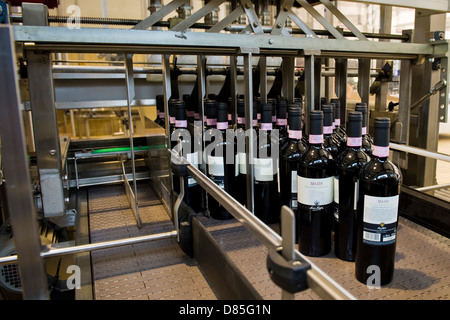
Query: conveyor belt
{"points": [[151, 270], [160, 270], [422, 269]]}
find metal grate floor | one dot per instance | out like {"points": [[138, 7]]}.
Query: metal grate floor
{"points": [[151, 270], [422, 269]]}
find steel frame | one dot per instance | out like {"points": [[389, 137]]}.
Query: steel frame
{"points": [[39, 41]]}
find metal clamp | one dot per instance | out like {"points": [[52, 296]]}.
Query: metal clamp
{"points": [[288, 275], [287, 270]]}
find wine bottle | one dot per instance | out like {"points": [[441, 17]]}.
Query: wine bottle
{"points": [[160, 114], [178, 124], [265, 184], [241, 184], [221, 171], [281, 122], [273, 103], [315, 192], [189, 108], [192, 191], [339, 130], [210, 114], [330, 142], [377, 216], [366, 140], [290, 156], [346, 185]]}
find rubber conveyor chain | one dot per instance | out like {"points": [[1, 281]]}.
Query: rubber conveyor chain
{"points": [[160, 269]]}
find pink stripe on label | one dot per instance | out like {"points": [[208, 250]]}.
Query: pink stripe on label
{"points": [[282, 122], [295, 134], [229, 117], [197, 116], [316, 138], [222, 125], [181, 123], [190, 114], [266, 126], [240, 120], [327, 129], [364, 130], [255, 123], [381, 152], [211, 122], [274, 118], [258, 116], [354, 142], [172, 120]]}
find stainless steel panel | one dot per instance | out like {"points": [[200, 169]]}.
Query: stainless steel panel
{"points": [[19, 194]]}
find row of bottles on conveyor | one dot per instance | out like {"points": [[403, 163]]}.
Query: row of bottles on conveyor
{"points": [[337, 181]]}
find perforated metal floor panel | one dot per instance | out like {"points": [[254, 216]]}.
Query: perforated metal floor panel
{"points": [[422, 269], [151, 270]]}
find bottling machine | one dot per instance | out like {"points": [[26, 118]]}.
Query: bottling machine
{"points": [[87, 177]]}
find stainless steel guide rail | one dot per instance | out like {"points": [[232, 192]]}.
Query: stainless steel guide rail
{"points": [[317, 280]]}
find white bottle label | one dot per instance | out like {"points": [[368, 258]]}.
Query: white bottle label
{"points": [[294, 181], [315, 192], [380, 218], [192, 158], [236, 165], [216, 166], [263, 169], [336, 189], [242, 165]]}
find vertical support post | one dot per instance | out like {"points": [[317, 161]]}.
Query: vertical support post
{"points": [[248, 79], [45, 122], [129, 77], [18, 187], [309, 87], [404, 111], [234, 86], [289, 78], [341, 87], [263, 78], [317, 82], [167, 93], [364, 80]]}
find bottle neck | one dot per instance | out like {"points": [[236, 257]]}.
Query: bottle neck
{"points": [[281, 122], [315, 139], [364, 131], [295, 135], [354, 142], [327, 130], [222, 125], [265, 126], [381, 152], [180, 123]]}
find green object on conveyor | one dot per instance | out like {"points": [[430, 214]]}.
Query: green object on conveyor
{"points": [[126, 149]]}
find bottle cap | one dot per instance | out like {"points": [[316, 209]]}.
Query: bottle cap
{"points": [[382, 130], [316, 122], [295, 118], [328, 115], [281, 109], [354, 124], [211, 109], [222, 112], [337, 108], [266, 113]]}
